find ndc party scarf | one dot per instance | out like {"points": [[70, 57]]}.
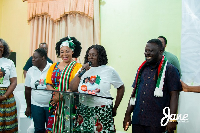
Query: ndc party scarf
{"points": [[159, 84]]}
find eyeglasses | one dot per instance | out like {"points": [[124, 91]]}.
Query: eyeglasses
{"points": [[92, 55]]}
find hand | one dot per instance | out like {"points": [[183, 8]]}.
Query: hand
{"points": [[171, 126], [56, 97], [126, 122], [85, 66], [2, 98], [69, 90], [184, 86], [114, 112], [28, 112]]}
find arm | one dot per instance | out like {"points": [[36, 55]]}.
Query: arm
{"points": [[187, 88], [13, 84], [49, 87], [24, 73], [27, 66], [28, 100], [173, 109], [73, 86], [120, 94], [127, 118], [56, 95]]}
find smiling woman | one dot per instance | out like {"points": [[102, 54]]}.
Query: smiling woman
{"points": [[67, 48], [8, 82], [96, 114]]}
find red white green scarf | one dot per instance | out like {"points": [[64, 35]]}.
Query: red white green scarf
{"points": [[159, 84]]}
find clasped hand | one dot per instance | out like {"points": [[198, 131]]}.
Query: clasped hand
{"points": [[56, 97]]}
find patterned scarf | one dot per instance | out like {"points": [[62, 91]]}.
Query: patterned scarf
{"points": [[159, 84]]}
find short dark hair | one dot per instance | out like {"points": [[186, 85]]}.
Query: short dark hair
{"points": [[102, 56], [165, 40], [77, 49], [157, 42], [6, 51], [42, 52], [42, 43]]}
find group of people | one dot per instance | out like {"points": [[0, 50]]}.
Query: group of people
{"points": [[68, 75], [156, 86]]}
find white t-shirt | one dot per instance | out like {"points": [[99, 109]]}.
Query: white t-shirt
{"points": [[97, 81], [35, 76], [7, 71]]}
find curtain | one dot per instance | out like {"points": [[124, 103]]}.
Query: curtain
{"points": [[190, 51], [51, 20]]}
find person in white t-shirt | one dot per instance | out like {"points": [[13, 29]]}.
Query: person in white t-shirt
{"points": [[8, 82], [38, 100], [95, 114]]}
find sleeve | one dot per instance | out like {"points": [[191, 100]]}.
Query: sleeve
{"points": [[133, 85], [76, 69], [28, 64], [13, 72], [49, 74], [173, 79], [176, 64], [116, 80], [28, 79]]}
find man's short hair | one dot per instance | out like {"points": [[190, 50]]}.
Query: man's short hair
{"points": [[42, 43], [163, 39], [157, 42], [42, 52]]}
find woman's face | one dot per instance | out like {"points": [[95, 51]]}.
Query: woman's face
{"points": [[37, 59], [1, 49], [93, 57], [66, 54]]}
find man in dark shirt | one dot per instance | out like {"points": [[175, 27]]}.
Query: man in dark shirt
{"points": [[156, 86], [29, 61]]}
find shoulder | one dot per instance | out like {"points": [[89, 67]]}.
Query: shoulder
{"points": [[108, 67], [170, 55], [8, 61], [49, 60], [171, 68], [49, 64], [31, 69], [53, 64], [78, 65]]}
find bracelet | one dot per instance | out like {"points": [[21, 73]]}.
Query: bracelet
{"points": [[172, 120], [5, 96], [80, 74]]}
